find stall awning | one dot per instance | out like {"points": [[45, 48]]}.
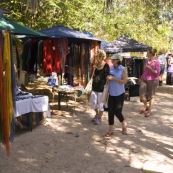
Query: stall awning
{"points": [[15, 28], [125, 44], [63, 31]]}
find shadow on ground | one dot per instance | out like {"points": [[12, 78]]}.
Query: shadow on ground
{"points": [[70, 143]]}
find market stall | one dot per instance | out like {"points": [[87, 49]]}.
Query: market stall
{"points": [[8, 108], [68, 53]]}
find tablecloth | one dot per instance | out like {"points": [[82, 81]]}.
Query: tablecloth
{"points": [[33, 103]]}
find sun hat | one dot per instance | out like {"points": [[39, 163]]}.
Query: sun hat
{"points": [[117, 56]]}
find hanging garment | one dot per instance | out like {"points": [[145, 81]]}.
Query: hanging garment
{"points": [[40, 54], [47, 57], [25, 53], [8, 88], [72, 53], [56, 57], [82, 53], [51, 56], [64, 52], [4, 130], [32, 57], [13, 90]]}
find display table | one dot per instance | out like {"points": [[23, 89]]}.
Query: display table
{"points": [[67, 94], [33, 103], [61, 94], [31, 110]]}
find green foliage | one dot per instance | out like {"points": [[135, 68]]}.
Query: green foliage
{"points": [[144, 21]]}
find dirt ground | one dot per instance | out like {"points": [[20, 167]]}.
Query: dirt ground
{"points": [[73, 144]]}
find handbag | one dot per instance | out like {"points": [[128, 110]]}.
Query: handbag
{"points": [[88, 87], [105, 92]]}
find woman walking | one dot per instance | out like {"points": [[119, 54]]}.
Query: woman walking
{"points": [[99, 80], [117, 79], [149, 82]]}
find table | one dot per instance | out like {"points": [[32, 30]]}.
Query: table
{"points": [[32, 109], [67, 94], [63, 93], [33, 103]]}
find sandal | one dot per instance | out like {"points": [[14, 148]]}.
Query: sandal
{"points": [[143, 110], [109, 134], [147, 114]]}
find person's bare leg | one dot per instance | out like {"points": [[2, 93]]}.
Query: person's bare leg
{"points": [[100, 114], [144, 100], [124, 127], [151, 103], [96, 115], [160, 80], [110, 131], [161, 77], [97, 112]]}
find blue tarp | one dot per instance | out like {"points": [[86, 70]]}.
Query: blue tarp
{"points": [[63, 31]]}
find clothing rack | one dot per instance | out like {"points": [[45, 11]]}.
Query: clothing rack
{"points": [[134, 66]]}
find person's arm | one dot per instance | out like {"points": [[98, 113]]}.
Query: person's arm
{"points": [[106, 70], [120, 81]]}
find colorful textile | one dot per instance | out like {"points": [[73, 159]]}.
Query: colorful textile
{"points": [[51, 56], [8, 83], [64, 52], [13, 88]]}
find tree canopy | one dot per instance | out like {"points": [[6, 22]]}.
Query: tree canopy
{"points": [[147, 21]]}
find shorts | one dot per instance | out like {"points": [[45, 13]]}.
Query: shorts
{"points": [[96, 100], [162, 69], [148, 87]]}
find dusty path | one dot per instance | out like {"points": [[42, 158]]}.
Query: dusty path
{"points": [[73, 144]]}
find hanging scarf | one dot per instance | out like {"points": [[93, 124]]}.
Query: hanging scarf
{"points": [[13, 89], [8, 84], [5, 120]]}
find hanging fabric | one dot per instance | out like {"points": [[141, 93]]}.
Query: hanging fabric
{"points": [[8, 83], [13, 89], [6, 88], [4, 130], [51, 56], [64, 52]]}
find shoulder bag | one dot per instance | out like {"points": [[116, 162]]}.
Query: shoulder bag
{"points": [[88, 87], [105, 92]]}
